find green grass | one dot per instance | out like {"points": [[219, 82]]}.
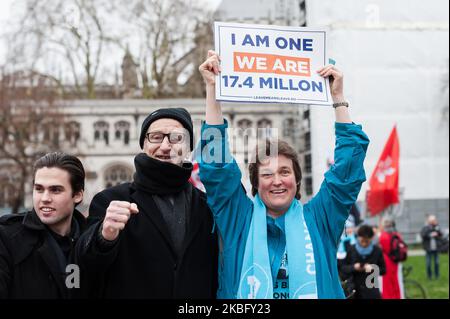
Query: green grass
{"points": [[435, 289]]}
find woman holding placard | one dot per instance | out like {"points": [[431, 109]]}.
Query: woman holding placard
{"points": [[274, 246]]}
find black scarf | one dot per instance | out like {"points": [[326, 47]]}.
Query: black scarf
{"points": [[157, 177]]}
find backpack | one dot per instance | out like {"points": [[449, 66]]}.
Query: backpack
{"points": [[399, 249]]}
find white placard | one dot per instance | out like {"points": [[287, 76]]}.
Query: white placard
{"points": [[273, 64]]}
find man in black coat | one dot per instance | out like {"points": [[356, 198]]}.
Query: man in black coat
{"points": [[36, 247], [431, 235], [364, 259], [154, 237]]}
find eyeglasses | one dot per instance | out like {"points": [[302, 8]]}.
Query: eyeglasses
{"points": [[158, 137]]}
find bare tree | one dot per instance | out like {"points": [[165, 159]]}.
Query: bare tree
{"points": [[65, 36], [204, 41], [165, 31], [30, 122]]}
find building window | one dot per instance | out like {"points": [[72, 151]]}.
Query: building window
{"points": [[243, 125], [118, 174], [9, 184], [50, 133], [101, 131], [7, 195], [308, 140], [308, 163], [72, 132], [122, 131], [245, 132], [303, 6], [303, 12], [308, 186], [289, 126], [22, 130], [264, 128], [306, 114]]}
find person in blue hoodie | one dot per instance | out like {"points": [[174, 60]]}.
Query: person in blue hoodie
{"points": [[274, 246]]}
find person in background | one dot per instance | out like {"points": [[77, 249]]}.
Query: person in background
{"points": [[392, 281], [431, 235], [364, 259], [348, 238]]}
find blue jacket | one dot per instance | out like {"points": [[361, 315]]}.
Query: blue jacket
{"points": [[325, 214]]}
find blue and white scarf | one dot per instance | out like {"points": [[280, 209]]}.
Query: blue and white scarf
{"points": [[256, 276], [364, 251]]}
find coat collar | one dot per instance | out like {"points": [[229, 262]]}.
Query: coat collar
{"points": [[32, 221], [50, 257], [40, 234]]}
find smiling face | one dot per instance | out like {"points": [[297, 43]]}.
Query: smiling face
{"points": [[53, 198], [165, 151], [277, 185]]}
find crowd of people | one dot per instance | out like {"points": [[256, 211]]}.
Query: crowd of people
{"points": [[160, 237], [370, 257], [367, 263]]}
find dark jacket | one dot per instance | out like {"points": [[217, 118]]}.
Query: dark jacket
{"points": [[359, 278], [142, 263], [426, 237], [31, 264]]}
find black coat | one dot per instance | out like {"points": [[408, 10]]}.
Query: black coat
{"points": [[426, 237], [143, 263], [357, 278], [29, 266]]}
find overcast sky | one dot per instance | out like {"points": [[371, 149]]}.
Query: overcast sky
{"points": [[4, 8], [6, 11]]}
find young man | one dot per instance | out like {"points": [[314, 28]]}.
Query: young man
{"points": [[273, 245], [360, 263], [154, 237], [36, 246]]}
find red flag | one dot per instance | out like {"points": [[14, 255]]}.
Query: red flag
{"points": [[383, 183]]}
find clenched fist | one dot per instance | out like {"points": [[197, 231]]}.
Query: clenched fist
{"points": [[210, 68], [117, 215], [336, 81]]}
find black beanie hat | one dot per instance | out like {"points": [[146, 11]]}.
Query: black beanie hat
{"points": [[179, 114]]}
